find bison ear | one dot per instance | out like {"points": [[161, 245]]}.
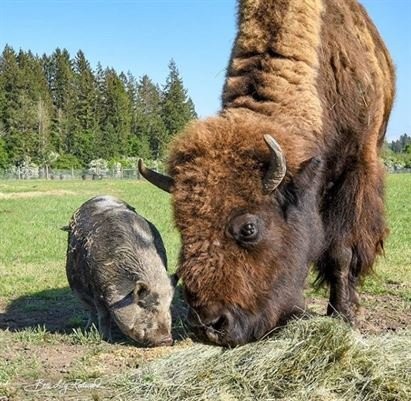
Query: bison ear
{"points": [[302, 183], [308, 172]]}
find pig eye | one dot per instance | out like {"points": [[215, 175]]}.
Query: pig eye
{"points": [[246, 229]]}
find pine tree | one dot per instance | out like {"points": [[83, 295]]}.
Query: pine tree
{"points": [[83, 122], [139, 144], [9, 73], [54, 104], [116, 117], [61, 85], [4, 156], [177, 107], [149, 130], [26, 106], [401, 143]]}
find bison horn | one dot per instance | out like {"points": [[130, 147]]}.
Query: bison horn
{"points": [[277, 168], [161, 181]]}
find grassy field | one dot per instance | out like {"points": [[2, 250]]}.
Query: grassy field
{"points": [[43, 352]]}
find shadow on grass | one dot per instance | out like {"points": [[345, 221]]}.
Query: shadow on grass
{"points": [[59, 311], [56, 309]]}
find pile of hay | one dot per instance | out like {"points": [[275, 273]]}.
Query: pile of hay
{"points": [[318, 359]]}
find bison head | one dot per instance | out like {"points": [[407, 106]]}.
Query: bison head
{"points": [[249, 225]]}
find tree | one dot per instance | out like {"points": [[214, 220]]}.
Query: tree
{"points": [[115, 112], [83, 122], [149, 129], [66, 162], [25, 105], [54, 104], [177, 108], [4, 156], [60, 74], [401, 143], [9, 102]]}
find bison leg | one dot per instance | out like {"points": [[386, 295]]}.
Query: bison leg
{"points": [[343, 294], [339, 301], [353, 215]]}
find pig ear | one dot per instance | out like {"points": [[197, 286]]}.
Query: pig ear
{"points": [[174, 280], [141, 290]]}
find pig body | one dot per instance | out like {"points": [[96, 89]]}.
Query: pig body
{"points": [[116, 265]]}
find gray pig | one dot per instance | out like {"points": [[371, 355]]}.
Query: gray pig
{"points": [[116, 264]]}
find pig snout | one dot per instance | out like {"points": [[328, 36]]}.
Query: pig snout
{"points": [[162, 342], [161, 338]]}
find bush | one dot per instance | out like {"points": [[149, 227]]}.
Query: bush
{"points": [[98, 167], [123, 162], [4, 156], [66, 162]]}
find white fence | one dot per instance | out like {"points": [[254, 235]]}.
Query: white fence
{"points": [[50, 174]]}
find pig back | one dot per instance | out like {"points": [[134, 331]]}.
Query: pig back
{"points": [[110, 245]]}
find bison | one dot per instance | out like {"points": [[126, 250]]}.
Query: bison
{"points": [[288, 174], [116, 265]]}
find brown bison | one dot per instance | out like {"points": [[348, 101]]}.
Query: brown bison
{"points": [[288, 174]]}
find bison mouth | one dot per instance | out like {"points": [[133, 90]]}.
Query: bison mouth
{"points": [[230, 327]]}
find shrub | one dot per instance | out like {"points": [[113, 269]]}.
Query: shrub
{"points": [[66, 162]]}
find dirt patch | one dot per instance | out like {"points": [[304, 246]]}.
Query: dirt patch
{"points": [[59, 364], [54, 360], [35, 194], [120, 358], [379, 313]]}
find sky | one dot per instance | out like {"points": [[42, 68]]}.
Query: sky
{"points": [[141, 36]]}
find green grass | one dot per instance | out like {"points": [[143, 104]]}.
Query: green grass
{"points": [[32, 246], [394, 270], [32, 256], [35, 297]]}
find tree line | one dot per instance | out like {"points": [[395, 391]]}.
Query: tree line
{"points": [[55, 109], [397, 153]]}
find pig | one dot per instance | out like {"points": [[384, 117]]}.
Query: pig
{"points": [[117, 266]]}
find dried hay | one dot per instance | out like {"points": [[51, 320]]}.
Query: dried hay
{"points": [[319, 359]]}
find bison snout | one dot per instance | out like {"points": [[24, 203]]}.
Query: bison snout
{"points": [[219, 324], [215, 326], [223, 326], [217, 329]]}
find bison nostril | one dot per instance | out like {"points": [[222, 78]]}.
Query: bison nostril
{"points": [[219, 324]]}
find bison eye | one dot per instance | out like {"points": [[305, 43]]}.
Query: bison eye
{"points": [[246, 229]]}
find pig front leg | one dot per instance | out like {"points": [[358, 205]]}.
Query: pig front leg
{"points": [[92, 319], [104, 321]]}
